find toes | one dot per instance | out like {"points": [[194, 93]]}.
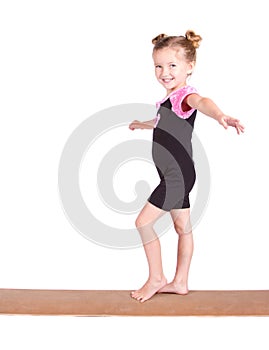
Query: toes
{"points": [[138, 297], [135, 294], [141, 298]]}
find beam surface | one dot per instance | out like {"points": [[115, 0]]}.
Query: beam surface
{"points": [[119, 303]]}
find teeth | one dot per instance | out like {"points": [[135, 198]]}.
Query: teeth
{"points": [[167, 80]]}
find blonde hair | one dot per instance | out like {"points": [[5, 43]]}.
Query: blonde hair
{"points": [[189, 43]]}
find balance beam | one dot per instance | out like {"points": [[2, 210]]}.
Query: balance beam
{"points": [[119, 303]]}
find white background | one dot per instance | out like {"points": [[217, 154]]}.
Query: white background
{"points": [[62, 61]]}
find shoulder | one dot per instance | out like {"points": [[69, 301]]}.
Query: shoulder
{"points": [[182, 92], [179, 105]]}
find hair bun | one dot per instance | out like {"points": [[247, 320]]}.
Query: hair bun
{"points": [[194, 38], [158, 38]]}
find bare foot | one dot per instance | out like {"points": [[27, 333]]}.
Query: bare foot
{"points": [[150, 288], [175, 288]]}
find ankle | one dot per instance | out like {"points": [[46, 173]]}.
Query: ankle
{"points": [[157, 278], [179, 281]]}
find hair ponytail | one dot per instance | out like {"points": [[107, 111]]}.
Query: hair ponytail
{"points": [[193, 38], [158, 38]]}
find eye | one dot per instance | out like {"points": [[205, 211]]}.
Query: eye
{"points": [[158, 66], [173, 65]]}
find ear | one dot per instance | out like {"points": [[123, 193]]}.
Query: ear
{"points": [[190, 68]]}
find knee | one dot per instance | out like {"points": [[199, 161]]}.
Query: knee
{"points": [[141, 221], [179, 228], [137, 222], [182, 229]]}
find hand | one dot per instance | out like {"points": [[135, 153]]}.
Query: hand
{"points": [[134, 125], [227, 121]]}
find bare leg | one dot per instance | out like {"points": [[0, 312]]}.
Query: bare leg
{"points": [[156, 279], [179, 285]]}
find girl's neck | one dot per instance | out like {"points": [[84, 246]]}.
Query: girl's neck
{"points": [[169, 91]]}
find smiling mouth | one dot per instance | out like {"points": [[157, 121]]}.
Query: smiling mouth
{"points": [[167, 81]]}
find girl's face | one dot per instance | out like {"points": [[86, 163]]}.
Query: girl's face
{"points": [[171, 68]]}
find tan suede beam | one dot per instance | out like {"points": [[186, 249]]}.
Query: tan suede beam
{"points": [[119, 303]]}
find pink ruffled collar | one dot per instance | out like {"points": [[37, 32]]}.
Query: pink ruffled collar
{"points": [[177, 97]]}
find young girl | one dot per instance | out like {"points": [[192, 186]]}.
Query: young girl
{"points": [[174, 59]]}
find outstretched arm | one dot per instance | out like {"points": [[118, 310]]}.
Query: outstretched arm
{"points": [[208, 107], [136, 124]]}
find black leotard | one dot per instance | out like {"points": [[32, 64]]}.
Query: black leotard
{"points": [[172, 155]]}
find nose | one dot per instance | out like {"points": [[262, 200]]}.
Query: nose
{"points": [[165, 71]]}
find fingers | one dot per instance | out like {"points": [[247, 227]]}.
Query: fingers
{"points": [[234, 123], [239, 127], [224, 123], [134, 125]]}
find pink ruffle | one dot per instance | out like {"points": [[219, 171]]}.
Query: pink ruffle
{"points": [[176, 98]]}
